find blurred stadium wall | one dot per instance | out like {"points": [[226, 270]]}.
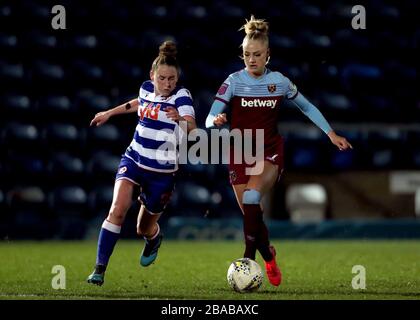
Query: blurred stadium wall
{"points": [[56, 173]]}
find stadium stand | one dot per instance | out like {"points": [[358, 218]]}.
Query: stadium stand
{"points": [[53, 166]]}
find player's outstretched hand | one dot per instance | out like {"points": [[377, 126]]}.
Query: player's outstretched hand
{"points": [[339, 141], [100, 118], [220, 119]]}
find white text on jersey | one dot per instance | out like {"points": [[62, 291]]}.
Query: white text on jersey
{"points": [[258, 103]]}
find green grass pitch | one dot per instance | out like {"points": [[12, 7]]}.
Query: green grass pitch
{"points": [[197, 270]]}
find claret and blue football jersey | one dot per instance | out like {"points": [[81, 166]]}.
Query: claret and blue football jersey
{"points": [[255, 102]]}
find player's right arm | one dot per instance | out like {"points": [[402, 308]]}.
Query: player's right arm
{"points": [[102, 117], [216, 116]]}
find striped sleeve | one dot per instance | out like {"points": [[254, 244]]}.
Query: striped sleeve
{"points": [[184, 103], [145, 89]]}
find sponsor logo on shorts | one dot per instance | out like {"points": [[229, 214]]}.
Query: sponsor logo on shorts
{"points": [[122, 170], [272, 158]]}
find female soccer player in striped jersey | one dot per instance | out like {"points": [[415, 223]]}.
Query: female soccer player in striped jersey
{"points": [[161, 105], [253, 95]]}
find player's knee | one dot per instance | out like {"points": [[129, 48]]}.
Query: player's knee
{"points": [[251, 196], [116, 214]]}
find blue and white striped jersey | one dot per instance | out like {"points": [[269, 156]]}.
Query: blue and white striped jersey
{"points": [[155, 131]]}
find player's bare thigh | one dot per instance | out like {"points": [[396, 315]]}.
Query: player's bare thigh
{"points": [[121, 201], [262, 182], [265, 181]]}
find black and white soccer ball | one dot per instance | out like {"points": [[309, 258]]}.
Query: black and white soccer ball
{"points": [[245, 275]]}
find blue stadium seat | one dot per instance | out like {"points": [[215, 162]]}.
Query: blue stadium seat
{"points": [[305, 158], [152, 10], [62, 136], [382, 158], [64, 167], [25, 166], [119, 13], [308, 38], [282, 42], [379, 105], [31, 218], [94, 102], [126, 70], [44, 70], [228, 198], [357, 77], [105, 137], [20, 135], [387, 148], [5, 10], [344, 160], [310, 11], [84, 70], [17, 106], [8, 40], [27, 197], [68, 198], [356, 41], [53, 106], [102, 168], [391, 13], [123, 41], [306, 135], [39, 39], [154, 38], [196, 12], [193, 198], [85, 41], [227, 10], [36, 9], [338, 107], [70, 205], [11, 71], [100, 200], [389, 138], [336, 101]]}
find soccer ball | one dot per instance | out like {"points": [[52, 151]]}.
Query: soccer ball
{"points": [[245, 275]]}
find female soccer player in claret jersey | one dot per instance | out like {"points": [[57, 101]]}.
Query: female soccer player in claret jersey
{"points": [[160, 106], [253, 95]]}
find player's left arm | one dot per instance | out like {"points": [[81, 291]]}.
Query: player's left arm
{"points": [[316, 117], [183, 110], [173, 114]]}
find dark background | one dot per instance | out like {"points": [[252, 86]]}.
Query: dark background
{"points": [[57, 174]]}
